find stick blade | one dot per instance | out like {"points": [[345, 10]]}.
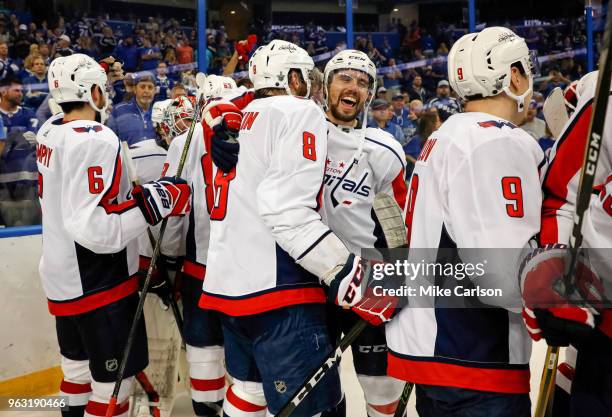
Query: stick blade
{"points": [[391, 220], [555, 112]]}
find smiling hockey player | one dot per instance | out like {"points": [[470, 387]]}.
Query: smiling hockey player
{"points": [[269, 250], [360, 164]]}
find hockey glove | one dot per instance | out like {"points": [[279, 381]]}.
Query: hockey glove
{"points": [[352, 287], [164, 273], [548, 313], [224, 118], [165, 197]]}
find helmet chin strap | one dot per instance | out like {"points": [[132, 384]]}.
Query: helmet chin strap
{"points": [[520, 100], [102, 110]]}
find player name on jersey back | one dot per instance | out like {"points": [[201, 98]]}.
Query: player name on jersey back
{"points": [[273, 190]]}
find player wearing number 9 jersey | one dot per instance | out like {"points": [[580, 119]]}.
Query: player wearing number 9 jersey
{"points": [[476, 184]]}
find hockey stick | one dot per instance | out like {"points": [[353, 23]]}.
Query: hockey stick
{"points": [[392, 222], [133, 177], [583, 198], [403, 400], [147, 282]]}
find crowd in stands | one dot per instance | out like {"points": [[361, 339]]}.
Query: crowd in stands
{"points": [[152, 62]]}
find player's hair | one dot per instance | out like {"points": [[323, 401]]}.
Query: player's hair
{"points": [[72, 106], [10, 80], [518, 65], [268, 92], [244, 81]]}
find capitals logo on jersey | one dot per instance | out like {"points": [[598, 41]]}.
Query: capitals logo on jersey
{"points": [[336, 176], [496, 123]]}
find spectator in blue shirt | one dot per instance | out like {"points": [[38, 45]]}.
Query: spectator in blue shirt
{"points": [[127, 53], [402, 116], [163, 84], [381, 117], [7, 67], [2, 136], [18, 171], [15, 117], [428, 122], [443, 102], [149, 56], [131, 120], [36, 84]]}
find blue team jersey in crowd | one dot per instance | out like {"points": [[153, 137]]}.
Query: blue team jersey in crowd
{"points": [[408, 126], [128, 55], [23, 119], [149, 64], [446, 106], [31, 85], [163, 87], [18, 171], [392, 128], [130, 123]]}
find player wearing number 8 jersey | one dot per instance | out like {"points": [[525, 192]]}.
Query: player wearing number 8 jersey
{"points": [[476, 184], [265, 217]]}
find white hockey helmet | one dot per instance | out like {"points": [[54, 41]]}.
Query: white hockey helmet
{"points": [[479, 64], [270, 64], [216, 85], [178, 112], [355, 60], [71, 79], [157, 111]]}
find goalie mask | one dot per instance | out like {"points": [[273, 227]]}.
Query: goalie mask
{"points": [[178, 116]]}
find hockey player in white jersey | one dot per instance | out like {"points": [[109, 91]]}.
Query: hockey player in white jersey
{"points": [[89, 257], [561, 323], [154, 394], [361, 162], [475, 185], [201, 329], [270, 251]]}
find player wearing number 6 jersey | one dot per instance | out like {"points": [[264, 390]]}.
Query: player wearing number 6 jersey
{"points": [[476, 184], [89, 255]]}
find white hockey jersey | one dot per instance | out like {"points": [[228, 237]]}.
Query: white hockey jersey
{"points": [[148, 158], [349, 193], [89, 254], [560, 188], [265, 214], [476, 184], [192, 230]]}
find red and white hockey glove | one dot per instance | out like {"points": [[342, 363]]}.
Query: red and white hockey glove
{"points": [[351, 287], [165, 197], [224, 119], [548, 313]]}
